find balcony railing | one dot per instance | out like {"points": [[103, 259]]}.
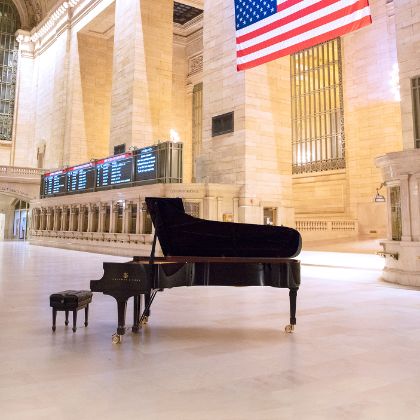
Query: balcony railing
{"points": [[20, 172]]}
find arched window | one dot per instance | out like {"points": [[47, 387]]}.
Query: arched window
{"points": [[9, 24]]}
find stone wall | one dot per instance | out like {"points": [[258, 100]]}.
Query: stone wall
{"points": [[372, 126], [408, 44], [95, 56]]}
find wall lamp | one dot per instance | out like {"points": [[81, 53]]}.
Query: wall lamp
{"points": [[379, 198]]}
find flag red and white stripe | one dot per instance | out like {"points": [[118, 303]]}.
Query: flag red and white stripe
{"points": [[298, 24]]}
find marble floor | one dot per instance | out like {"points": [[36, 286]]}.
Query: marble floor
{"points": [[210, 353]]}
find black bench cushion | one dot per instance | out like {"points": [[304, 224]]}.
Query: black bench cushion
{"points": [[71, 298]]}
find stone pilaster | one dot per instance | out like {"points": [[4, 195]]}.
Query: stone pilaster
{"points": [[141, 103], [140, 215], [23, 150], [257, 155]]}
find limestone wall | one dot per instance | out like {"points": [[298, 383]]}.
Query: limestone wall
{"points": [[255, 155], [95, 57], [408, 43], [372, 126]]}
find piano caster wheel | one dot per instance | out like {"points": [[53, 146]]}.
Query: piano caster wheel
{"points": [[116, 339], [145, 320], [289, 328]]}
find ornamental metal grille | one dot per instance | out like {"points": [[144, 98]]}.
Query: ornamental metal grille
{"points": [[9, 24], [396, 220], [193, 209], [197, 124], [415, 94], [318, 141]]}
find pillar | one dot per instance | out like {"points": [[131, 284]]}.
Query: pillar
{"points": [[141, 100], [257, 155]]}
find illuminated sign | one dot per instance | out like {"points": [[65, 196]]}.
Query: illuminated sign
{"points": [[147, 164], [81, 178], [114, 171]]}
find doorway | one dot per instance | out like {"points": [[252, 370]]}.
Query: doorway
{"points": [[20, 221]]}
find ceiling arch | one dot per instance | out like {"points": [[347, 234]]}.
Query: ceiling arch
{"points": [[31, 12]]}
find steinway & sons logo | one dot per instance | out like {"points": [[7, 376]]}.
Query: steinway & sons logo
{"points": [[126, 277]]}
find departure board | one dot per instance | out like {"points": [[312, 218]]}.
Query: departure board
{"points": [[147, 163], [55, 183], [114, 171], [81, 178]]}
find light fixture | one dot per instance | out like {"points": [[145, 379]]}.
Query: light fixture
{"points": [[379, 198], [174, 136]]}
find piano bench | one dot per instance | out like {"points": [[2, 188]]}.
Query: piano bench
{"points": [[70, 300]]}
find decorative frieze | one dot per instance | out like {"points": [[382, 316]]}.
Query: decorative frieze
{"points": [[195, 65]]}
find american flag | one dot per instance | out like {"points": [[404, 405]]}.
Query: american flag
{"points": [[269, 29]]}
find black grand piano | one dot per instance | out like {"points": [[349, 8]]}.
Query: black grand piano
{"points": [[201, 252]]}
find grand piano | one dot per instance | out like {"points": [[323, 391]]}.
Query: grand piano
{"points": [[200, 252]]}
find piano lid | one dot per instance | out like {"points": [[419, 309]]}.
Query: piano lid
{"points": [[182, 234]]}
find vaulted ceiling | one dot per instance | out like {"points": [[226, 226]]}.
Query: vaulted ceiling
{"points": [[31, 12]]}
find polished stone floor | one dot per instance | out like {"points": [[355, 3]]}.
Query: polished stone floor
{"points": [[211, 353]]}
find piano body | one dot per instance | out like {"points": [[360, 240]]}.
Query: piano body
{"points": [[201, 252]]}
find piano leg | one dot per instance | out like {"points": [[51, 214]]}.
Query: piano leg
{"points": [[292, 298], [122, 308], [147, 304], [136, 314]]}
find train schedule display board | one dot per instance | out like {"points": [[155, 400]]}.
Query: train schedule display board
{"points": [[146, 164], [54, 183], [114, 171], [81, 178]]}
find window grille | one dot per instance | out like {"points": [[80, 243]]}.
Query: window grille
{"points": [[147, 227], [222, 124], [9, 24], [318, 141], [197, 123], [415, 94], [396, 227], [193, 209]]}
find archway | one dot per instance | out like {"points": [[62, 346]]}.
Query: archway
{"points": [[14, 217]]}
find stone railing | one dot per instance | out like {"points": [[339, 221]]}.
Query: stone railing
{"points": [[312, 229], [16, 171]]}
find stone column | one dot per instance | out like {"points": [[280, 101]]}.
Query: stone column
{"points": [[35, 219], [236, 210], [139, 218], [73, 219], [81, 225], [56, 222], [64, 218], [219, 209], [43, 221], [127, 217], [101, 217], [141, 100], [113, 217], [50, 215], [210, 208], [24, 146]]}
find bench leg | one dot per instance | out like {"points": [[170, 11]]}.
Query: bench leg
{"points": [[67, 318], [86, 315], [74, 320], [54, 318]]}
